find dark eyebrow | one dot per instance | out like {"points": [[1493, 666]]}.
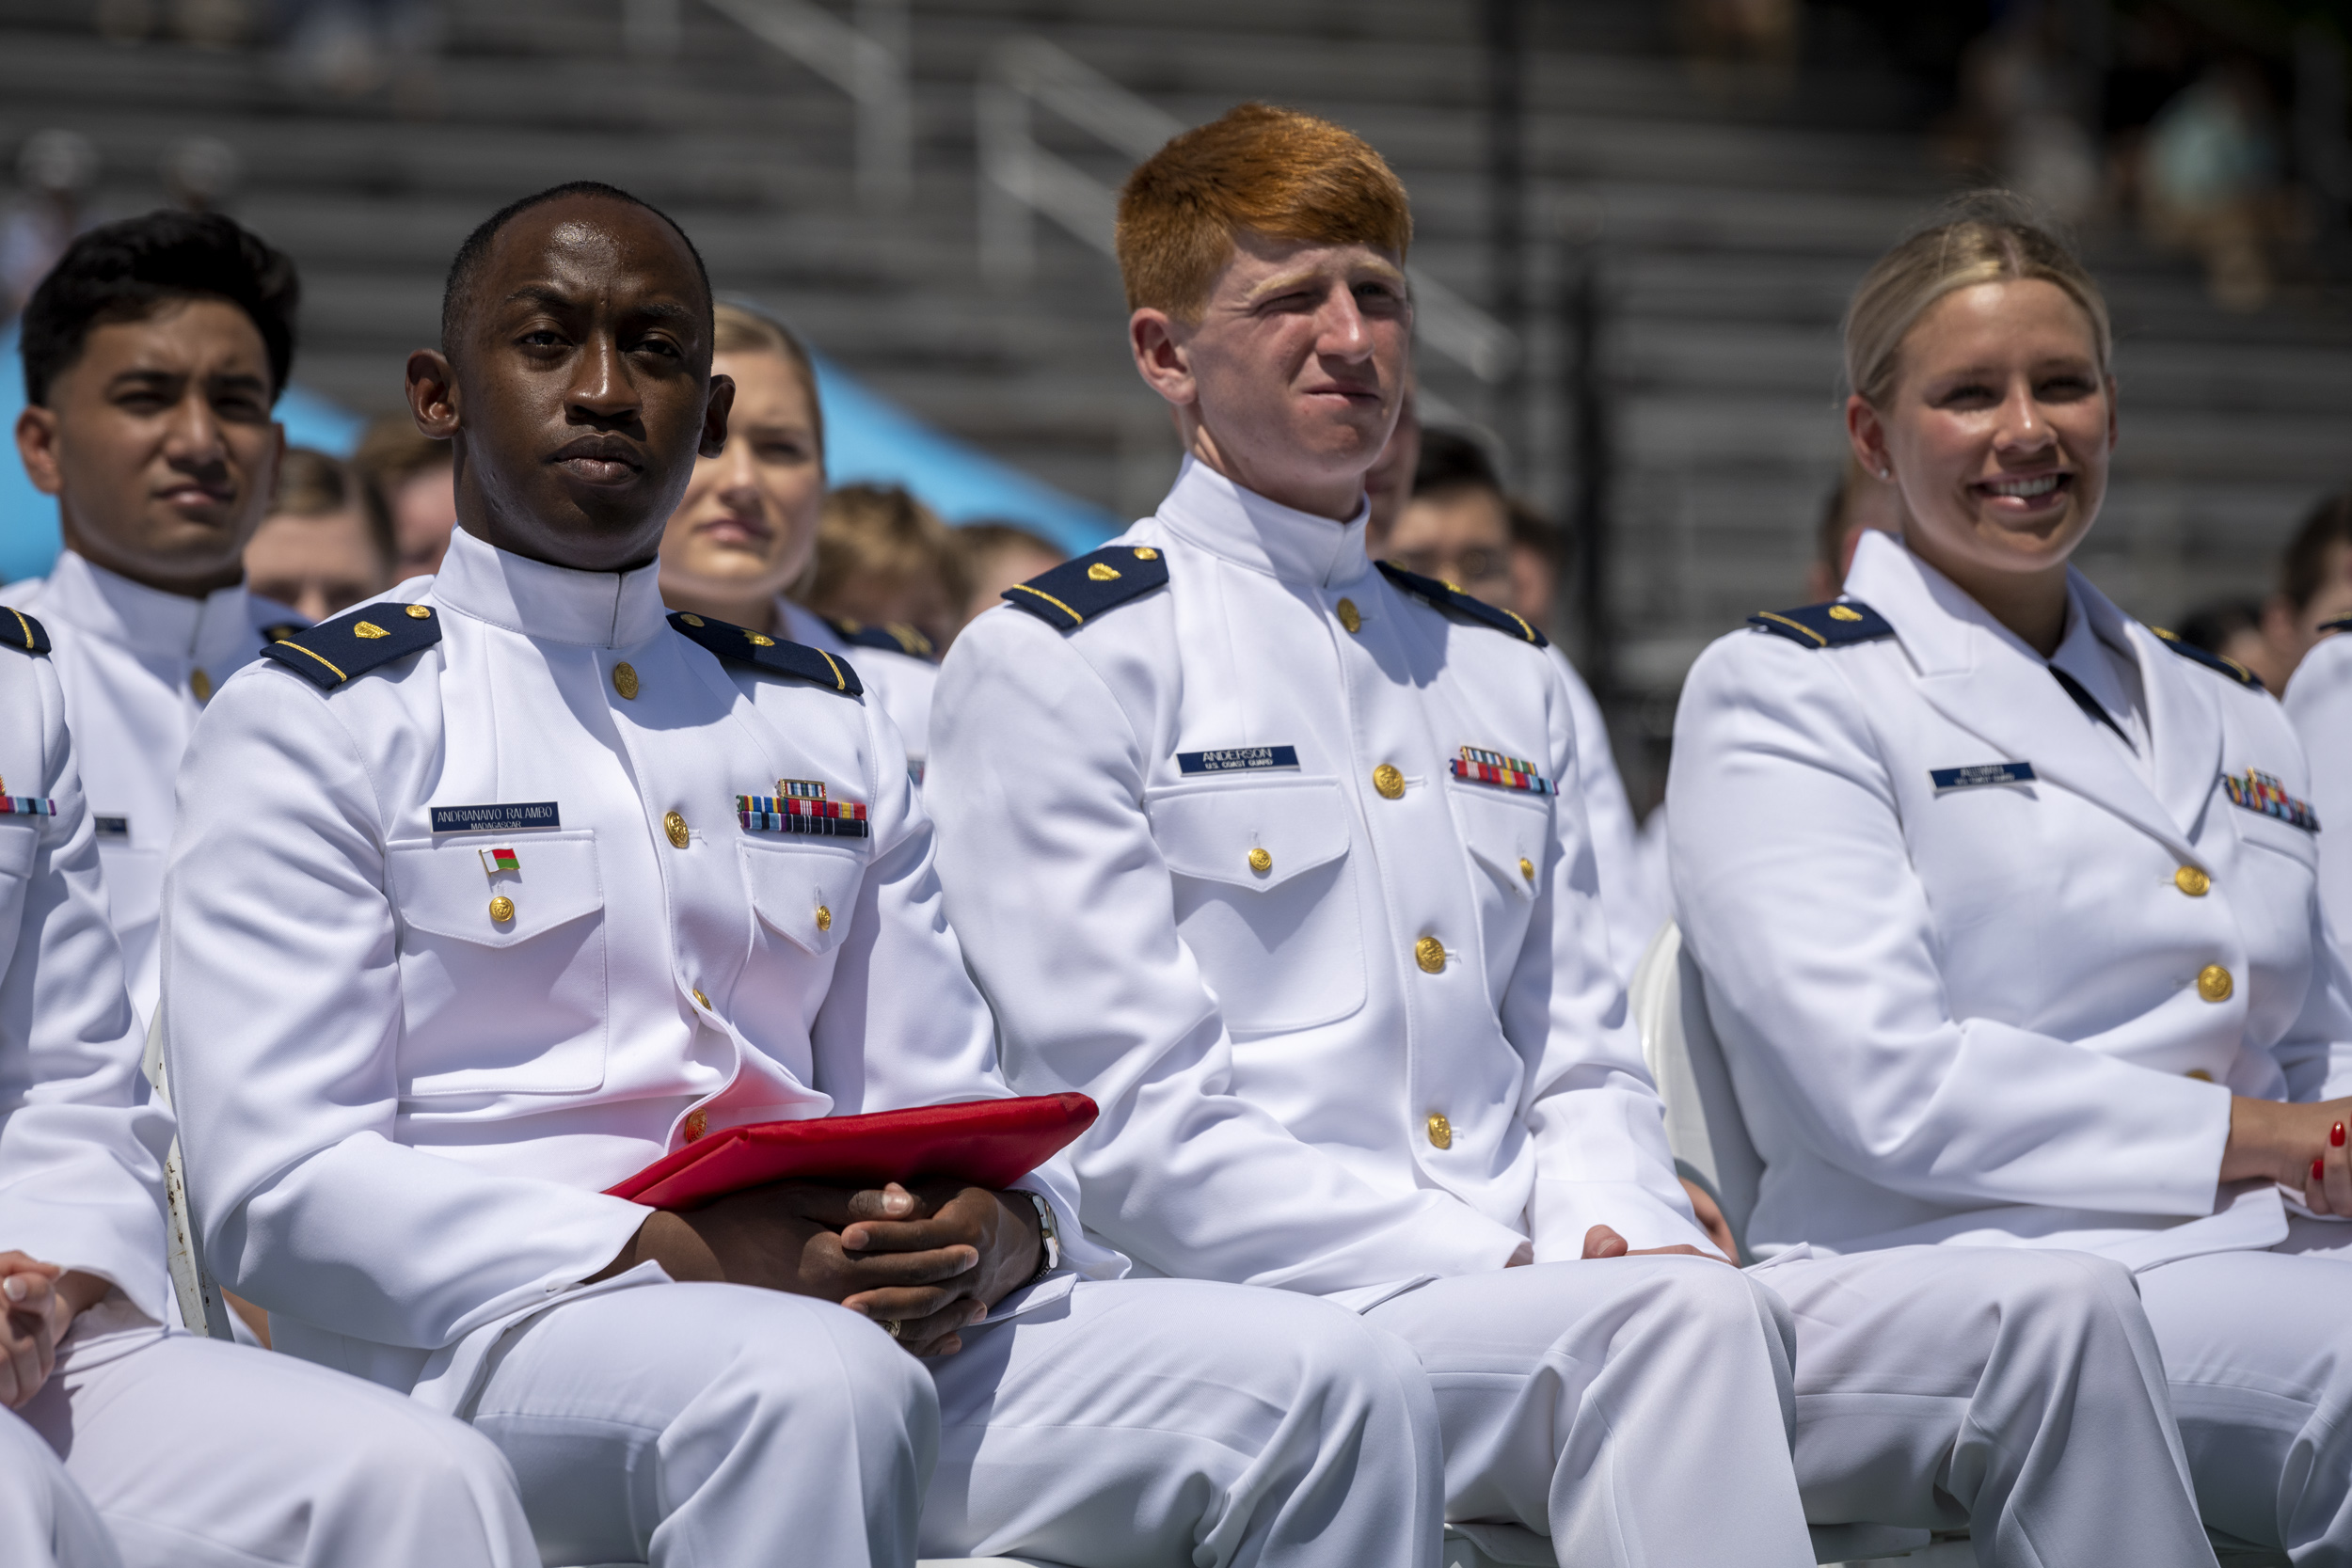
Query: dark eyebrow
{"points": [[540, 294], [669, 309]]}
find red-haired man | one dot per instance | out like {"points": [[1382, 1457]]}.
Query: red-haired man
{"points": [[1261, 846]]}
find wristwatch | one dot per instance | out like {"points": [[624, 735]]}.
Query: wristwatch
{"points": [[1049, 1236]]}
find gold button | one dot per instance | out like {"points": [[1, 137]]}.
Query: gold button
{"points": [[2214, 983], [700, 1000], [625, 679], [501, 909], [1430, 954], [673, 824], [1349, 616], [1441, 1130], [697, 1124], [418, 613], [690, 618], [201, 684], [1387, 781], [1260, 862], [824, 918], [1527, 868], [2200, 1074], [2192, 881]]}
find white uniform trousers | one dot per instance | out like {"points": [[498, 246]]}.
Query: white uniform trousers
{"points": [[2013, 1391], [45, 1522], [201, 1454], [1636, 1410], [2259, 1349], [1161, 1423], [1157, 1423]]}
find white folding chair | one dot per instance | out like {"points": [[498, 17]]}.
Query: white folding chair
{"points": [[202, 1307]]}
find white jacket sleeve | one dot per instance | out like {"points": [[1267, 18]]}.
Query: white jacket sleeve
{"points": [[1590, 1106], [81, 1143], [1797, 894], [1066, 910], [2319, 705], [282, 1027]]}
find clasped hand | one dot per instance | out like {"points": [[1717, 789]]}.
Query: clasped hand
{"points": [[931, 1258], [2302, 1147], [38, 1304]]}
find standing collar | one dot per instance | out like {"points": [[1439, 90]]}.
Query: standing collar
{"points": [[1209, 509], [552, 603], [1937, 620], [148, 620]]}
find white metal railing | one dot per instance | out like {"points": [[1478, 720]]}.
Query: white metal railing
{"points": [[1021, 181], [867, 59]]}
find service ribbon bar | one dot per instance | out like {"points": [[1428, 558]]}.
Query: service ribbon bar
{"points": [[2260, 792], [26, 805], [785, 814], [1493, 768]]}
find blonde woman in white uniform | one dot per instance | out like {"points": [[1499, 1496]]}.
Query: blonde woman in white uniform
{"points": [[2005, 902]]}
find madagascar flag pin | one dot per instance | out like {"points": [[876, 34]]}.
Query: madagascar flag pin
{"points": [[496, 860]]}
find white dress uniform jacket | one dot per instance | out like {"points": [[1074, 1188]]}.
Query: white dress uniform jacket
{"points": [[138, 666], [2319, 705], [1367, 1042], [1980, 974], [1634, 896], [901, 681], [399, 1130]]}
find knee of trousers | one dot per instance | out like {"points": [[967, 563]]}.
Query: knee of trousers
{"points": [[2072, 1297], [1710, 1302], [856, 1374], [1308, 1352]]}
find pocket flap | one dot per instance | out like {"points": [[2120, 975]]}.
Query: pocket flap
{"points": [[808, 891], [446, 889], [20, 838], [1256, 836], [1509, 834]]}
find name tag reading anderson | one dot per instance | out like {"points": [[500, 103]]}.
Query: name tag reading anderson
{"points": [[498, 818], [1983, 774], [1238, 759]]}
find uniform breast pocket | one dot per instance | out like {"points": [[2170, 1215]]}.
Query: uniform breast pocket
{"points": [[1507, 835], [501, 976], [803, 891], [1266, 898], [20, 845]]}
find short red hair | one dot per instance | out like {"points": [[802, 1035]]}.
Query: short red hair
{"points": [[1271, 171]]}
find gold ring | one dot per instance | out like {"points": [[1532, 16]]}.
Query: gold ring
{"points": [[893, 1327]]}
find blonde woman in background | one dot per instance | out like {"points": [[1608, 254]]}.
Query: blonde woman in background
{"points": [[2005, 902], [746, 532]]}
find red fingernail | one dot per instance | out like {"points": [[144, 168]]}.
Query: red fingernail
{"points": [[2335, 1136], [2319, 1168]]}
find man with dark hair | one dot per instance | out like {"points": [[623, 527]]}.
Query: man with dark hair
{"points": [[2314, 588], [412, 1057], [153, 354]]}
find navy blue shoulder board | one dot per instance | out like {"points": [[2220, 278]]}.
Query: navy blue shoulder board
{"points": [[1446, 597], [897, 636], [355, 643], [23, 633], [1088, 585], [1825, 625], [742, 645], [2229, 667]]}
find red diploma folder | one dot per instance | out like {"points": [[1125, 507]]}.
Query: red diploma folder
{"points": [[987, 1142]]}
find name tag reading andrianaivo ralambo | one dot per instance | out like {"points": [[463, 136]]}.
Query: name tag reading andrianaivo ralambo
{"points": [[1238, 759], [1981, 774], [498, 818]]}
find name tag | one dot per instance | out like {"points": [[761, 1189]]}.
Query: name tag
{"points": [[1983, 774], [500, 818], [1238, 759], [111, 827]]}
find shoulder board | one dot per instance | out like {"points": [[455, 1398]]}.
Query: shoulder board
{"points": [[742, 645], [355, 643], [1825, 625], [1446, 597], [278, 632], [897, 636], [23, 633], [2229, 667], [1088, 585], [2342, 622]]}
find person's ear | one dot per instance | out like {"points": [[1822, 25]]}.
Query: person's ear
{"points": [[1867, 433], [1163, 355], [715, 414], [432, 400], [36, 445]]}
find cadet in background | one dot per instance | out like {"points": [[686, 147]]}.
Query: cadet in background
{"points": [[192, 1451], [885, 562], [2005, 902], [487, 899], [320, 548], [410, 488], [1282, 858], [996, 555], [153, 354], [2318, 698], [744, 538]]}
